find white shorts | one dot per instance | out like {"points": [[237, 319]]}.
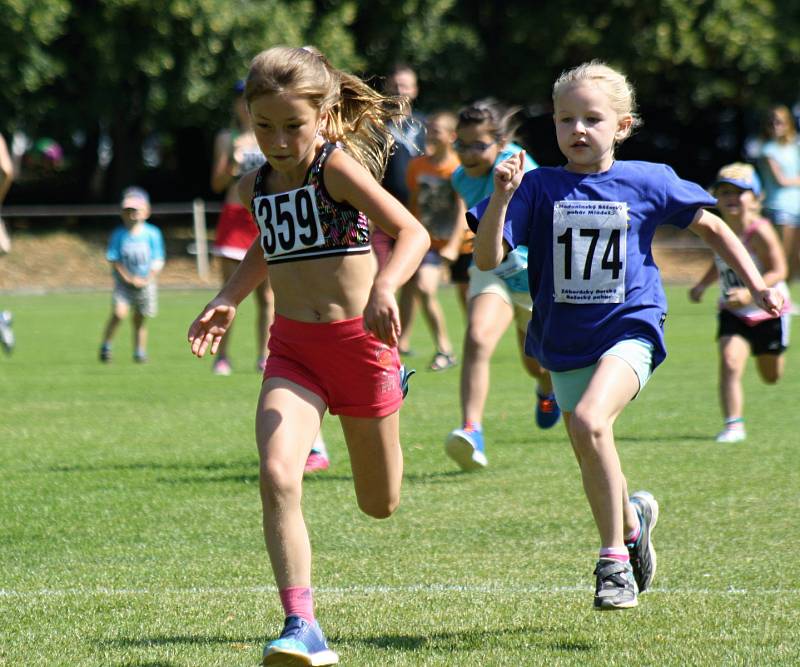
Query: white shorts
{"points": [[486, 282]]}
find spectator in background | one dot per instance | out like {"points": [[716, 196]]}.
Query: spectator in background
{"points": [[409, 142], [136, 253], [435, 203], [6, 178], [235, 153], [779, 165]]}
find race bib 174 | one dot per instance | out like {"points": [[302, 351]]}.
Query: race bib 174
{"points": [[288, 221], [589, 242]]}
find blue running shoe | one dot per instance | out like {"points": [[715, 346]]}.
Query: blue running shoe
{"points": [[465, 447], [405, 374], [547, 410], [301, 644]]}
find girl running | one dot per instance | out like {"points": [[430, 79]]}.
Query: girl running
{"points": [[599, 306], [333, 345]]}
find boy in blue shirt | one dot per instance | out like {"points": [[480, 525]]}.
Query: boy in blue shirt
{"points": [[136, 253]]}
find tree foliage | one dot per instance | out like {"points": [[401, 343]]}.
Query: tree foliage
{"points": [[127, 68]]}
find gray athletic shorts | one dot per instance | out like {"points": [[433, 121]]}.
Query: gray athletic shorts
{"points": [[143, 300]]}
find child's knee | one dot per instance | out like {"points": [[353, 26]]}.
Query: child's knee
{"points": [[379, 507]]}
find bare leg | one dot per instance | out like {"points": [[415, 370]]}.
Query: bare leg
{"points": [[376, 461], [489, 317], [118, 313], [770, 367], [427, 286], [139, 332], [287, 422], [542, 376], [406, 304], [590, 428], [733, 354]]}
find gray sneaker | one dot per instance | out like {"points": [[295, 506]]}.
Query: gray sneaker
{"points": [[6, 332], [642, 553], [616, 587]]}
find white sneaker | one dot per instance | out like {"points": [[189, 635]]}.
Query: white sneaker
{"points": [[6, 332], [731, 435]]}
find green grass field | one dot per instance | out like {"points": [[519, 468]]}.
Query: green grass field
{"points": [[130, 527]]}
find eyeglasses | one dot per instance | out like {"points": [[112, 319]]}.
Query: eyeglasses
{"points": [[475, 146]]}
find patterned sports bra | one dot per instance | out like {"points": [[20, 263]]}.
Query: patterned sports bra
{"points": [[307, 223]]}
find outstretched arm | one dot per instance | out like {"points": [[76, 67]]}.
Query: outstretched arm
{"points": [[719, 237], [208, 328], [696, 292], [489, 245]]}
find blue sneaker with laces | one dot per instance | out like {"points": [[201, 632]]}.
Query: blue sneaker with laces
{"points": [[301, 644], [547, 410], [465, 447]]}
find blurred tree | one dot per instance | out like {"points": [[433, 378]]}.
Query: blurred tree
{"points": [[126, 69]]}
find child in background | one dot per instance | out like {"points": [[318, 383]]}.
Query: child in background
{"points": [[743, 327], [599, 306], [779, 163], [496, 298], [334, 342], [441, 211], [136, 253], [235, 153], [7, 339]]}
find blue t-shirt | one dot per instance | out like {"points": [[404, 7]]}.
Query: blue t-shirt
{"points": [[591, 271], [474, 188], [136, 252], [787, 157]]}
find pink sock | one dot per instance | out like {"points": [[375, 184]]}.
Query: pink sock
{"points": [[615, 553], [298, 601]]}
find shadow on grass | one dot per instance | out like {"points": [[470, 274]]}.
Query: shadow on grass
{"points": [[466, 640], [172, 640], [660, 437], [150, 465]]}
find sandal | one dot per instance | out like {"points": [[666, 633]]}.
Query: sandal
{"points": [[442, 361]]}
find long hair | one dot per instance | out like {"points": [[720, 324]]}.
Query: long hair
{"points": [[357, 114]]}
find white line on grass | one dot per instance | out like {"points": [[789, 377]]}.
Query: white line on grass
{"points": [[374, 590]]}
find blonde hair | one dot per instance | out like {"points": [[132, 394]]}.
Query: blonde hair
{"points": [[619, 90], [357, 114]]}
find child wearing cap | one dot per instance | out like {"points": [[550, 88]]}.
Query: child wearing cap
{"points": [[136, 254], [743, 327]]}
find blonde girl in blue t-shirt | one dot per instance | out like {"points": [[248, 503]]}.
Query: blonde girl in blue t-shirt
{"points": [[599, 305]]}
